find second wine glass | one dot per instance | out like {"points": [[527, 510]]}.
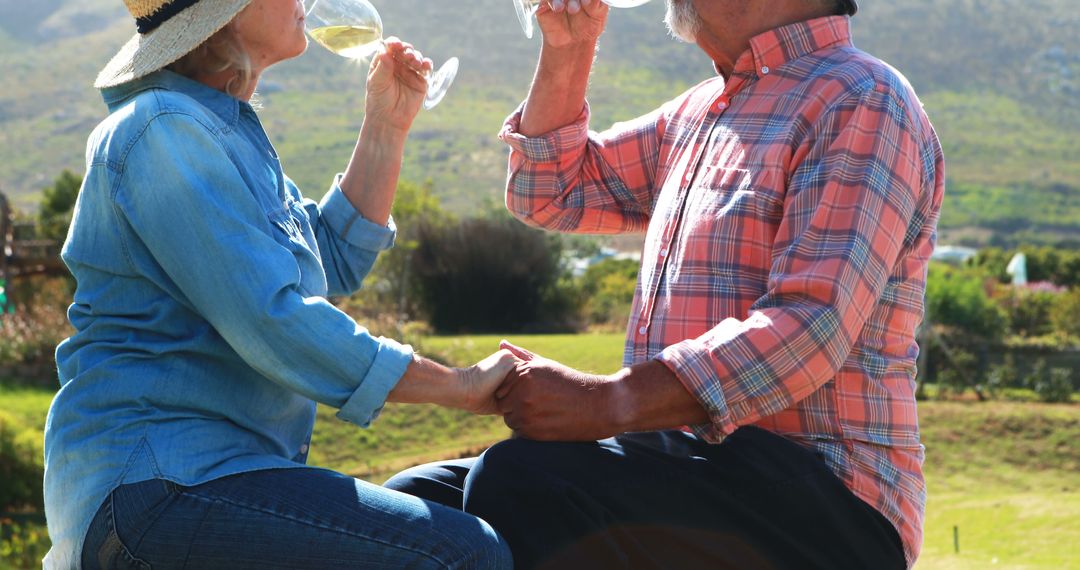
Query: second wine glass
{"points": [[354, 29], [526, 11]]}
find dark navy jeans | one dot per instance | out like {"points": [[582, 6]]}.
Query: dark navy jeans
{"points": [[284, 518], [664, 500]]}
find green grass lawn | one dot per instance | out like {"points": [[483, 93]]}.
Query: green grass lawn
{"points": [[1006, 474]]}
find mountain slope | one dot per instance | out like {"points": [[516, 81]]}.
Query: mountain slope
{"points": [[998, 78]]}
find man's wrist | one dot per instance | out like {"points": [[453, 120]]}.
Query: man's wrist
{"points": [[620, 402], [648, 397]]}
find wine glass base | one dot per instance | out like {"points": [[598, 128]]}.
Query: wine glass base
{"points": [[439, 82], [525, 12]]}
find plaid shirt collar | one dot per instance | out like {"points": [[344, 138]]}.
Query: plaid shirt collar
{"points": [[777, 47]]}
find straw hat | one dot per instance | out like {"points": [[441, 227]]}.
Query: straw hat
{"points": [[168, 30]]}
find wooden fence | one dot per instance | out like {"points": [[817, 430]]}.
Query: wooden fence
{"points": [[22, 253]]}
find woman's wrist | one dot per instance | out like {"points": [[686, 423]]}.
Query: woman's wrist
{"points": [[383, 132], [428, 382]]}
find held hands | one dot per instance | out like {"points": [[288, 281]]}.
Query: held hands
{"points": [[482, 379], [566, 23], [544, 400], [396, 85]]}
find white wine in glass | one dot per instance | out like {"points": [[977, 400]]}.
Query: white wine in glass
{"points": [[353, 29], [526, 11]]}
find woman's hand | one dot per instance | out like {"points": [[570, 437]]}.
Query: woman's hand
{"points": [[480, 381], [396, 85], [571, 22]]}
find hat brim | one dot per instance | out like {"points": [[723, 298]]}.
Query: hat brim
{"points": [[175, 38]]}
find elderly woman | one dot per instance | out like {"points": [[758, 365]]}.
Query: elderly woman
{"points": [[203, 334]]}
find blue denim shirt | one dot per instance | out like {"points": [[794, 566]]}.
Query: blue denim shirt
{"points": [[203, 334]]}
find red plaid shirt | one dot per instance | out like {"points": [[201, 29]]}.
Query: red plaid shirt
{"points": [[790, 215]]}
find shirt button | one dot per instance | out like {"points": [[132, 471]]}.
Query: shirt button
{"points": [[663, 252], [303, 448], [721, 105], [643, 330], [764, 70]]}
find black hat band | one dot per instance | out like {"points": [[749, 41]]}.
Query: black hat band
{"points": [[151, 22]]}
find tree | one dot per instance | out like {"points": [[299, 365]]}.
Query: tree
{"points": [[1066, 313], [993, 261], [609, 286], [1030, 312], [57, 204], [958, 299], [391, 294], [489, 275]]}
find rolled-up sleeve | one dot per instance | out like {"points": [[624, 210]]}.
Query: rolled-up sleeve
{"points": [[208, 243], [348, 243], [576, 180]]}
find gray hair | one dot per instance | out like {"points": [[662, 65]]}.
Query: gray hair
{"points": [[684, 23], [221, 52], [682, 19]]}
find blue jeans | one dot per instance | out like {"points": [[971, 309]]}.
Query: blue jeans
{"points": [[284, 518]]}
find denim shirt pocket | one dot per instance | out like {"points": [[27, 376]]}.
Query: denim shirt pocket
{"points": [[291, 229]]}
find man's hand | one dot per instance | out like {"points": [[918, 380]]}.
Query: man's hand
{"points": [[396, 85], [544, 400], [570, 22]]}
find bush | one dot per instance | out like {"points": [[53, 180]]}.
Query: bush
{"points": [[1029, 312], [609, 287], [1002, 376], [1066, 313], [1057, 265], [1053, 385], [491, 275], [31, 337], [23, 545], [957, 299], [20, 473], [958, 374], [391, 291], [57, 203]]}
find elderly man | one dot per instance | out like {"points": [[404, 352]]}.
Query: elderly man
{"points": [[790, 206]]}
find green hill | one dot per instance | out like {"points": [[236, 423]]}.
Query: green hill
{"points": [[999, 82]]}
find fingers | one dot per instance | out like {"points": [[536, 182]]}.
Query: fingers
{"points": [[405, 53], [517, 350], [499, 363], [507, 386], [571, 6], [407, 64]]}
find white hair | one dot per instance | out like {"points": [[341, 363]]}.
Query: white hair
{"points": [[221, 52], [683, 21]]}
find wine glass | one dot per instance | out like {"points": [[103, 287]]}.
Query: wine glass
{"points": [[526, 11], [353, 29]]}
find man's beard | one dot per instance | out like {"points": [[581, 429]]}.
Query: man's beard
{"points": [[682, 20]]}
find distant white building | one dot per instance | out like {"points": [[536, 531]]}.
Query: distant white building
{"points": [[953, 254], [1017, 267]]}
